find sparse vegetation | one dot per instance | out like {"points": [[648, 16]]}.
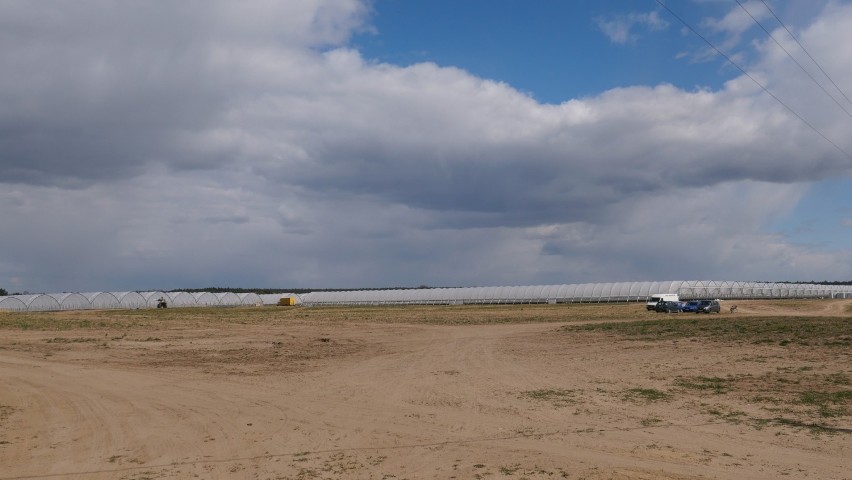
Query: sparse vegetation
{"points": [[72, 340], [650, 421], [431, 315], [5, 412], [828, 404], [646, 394], [735, 417], [714, 385], [799, 330], [556, 396]]}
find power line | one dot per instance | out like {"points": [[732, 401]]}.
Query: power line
{"points": [[807, 53], [794, 59], [762, 87]]}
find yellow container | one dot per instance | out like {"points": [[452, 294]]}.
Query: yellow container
{"points": [[287, 301]]}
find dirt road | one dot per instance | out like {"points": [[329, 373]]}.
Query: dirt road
{"points": [[342, 400]]}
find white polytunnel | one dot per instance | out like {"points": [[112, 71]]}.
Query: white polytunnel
{"points": [[13, 304], [71, 301], [248, 298], [130, 299], [205, 299], [101, 300], [38, 302], [227, 299], [181, 299]]}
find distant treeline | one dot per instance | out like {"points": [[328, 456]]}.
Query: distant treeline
{"points": [[824, 282], [265, 291]]}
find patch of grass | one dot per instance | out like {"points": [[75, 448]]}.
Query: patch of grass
{"points": [[72, 340], [804, 398], [558, 397], [650, 421], [647, 394], [838, 379], [5, 412], [820, 398], [730, 416], [814, 428], [716, 385], [828, 404], [799, 330]]}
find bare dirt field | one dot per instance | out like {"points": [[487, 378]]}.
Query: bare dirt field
{"points": [[467, 392]]}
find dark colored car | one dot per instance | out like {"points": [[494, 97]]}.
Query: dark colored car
{"points": [[669, 307], [708, 306], [691, 307]]}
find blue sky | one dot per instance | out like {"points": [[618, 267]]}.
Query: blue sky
{"points": [[553, 50], [558, 50], [349, 143]]}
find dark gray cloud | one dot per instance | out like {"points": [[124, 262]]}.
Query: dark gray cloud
{"points": [[101, 89]]}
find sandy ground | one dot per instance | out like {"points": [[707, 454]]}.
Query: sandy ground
{"points": [[302, 399]]}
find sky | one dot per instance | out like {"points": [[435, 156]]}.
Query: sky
{"points": [[398, 143]]}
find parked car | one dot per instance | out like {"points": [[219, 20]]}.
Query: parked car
{"points": [[708, 306], [691, 307], [668, 307]]}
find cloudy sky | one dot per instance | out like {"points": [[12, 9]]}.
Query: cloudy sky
{"points": [[356, 143]]}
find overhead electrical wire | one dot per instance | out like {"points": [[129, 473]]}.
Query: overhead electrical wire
{"points": [[762, 87], [769, 34], [807, 52]]}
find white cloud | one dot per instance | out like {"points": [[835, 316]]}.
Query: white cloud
{"points": [[739, 18], [619, 28]]}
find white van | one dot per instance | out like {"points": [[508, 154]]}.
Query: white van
{"points": [[661, 297]]}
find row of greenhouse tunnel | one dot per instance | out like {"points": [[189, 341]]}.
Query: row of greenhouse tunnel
{"points": [[571, 293], [576, 293], [131, 300]]}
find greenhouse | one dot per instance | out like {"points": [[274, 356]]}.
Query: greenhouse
{"points": [[71, 301], [250, 299], [205, 299], [130, 299], [12, 304], [585, 292], [108, 300], [101, 300], [38, 302], [181, 299], [228, 299]]}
